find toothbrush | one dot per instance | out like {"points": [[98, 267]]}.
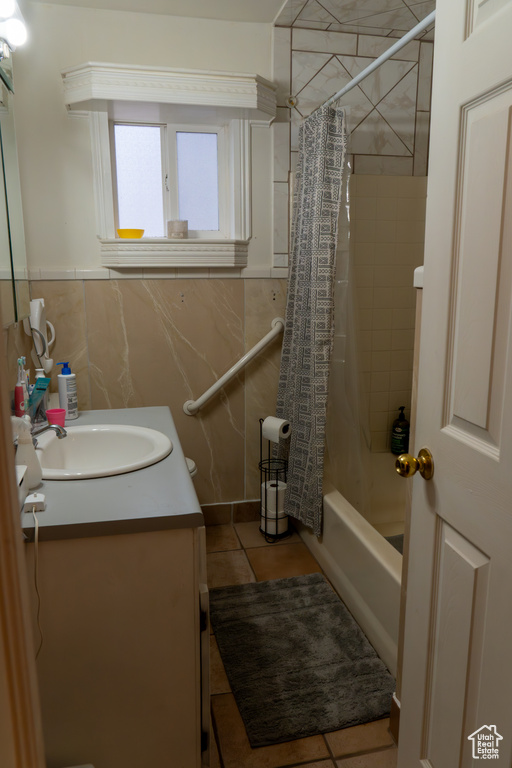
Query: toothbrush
{"points": [[19, 393]]}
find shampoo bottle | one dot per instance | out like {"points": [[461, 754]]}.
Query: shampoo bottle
{"points": [[68, 398], [400, 433]]}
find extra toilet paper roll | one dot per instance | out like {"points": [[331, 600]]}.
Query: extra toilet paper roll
{"points": [[274, 527], [272, 497], [273, 429]]}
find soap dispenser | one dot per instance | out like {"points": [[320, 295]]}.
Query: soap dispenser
{"points": [[400, 434], [68, 398]]}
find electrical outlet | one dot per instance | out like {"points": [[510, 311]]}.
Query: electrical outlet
{"points": [[35, 502]]}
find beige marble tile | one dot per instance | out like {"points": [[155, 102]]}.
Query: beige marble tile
{"points": [[380, 82], [399, 107], [400, 19], [282, 45], [221, 538], [326, 82], [421, 143], [313, 11], [395, 166], [383, 759], [425, 77], [305, 65], [65, 309], [375, 46], [360, 738], [282, 562], [214, 751], [162, 342], [281, 135], [251, 536], [264, 300], [289, 12], [6, 302], [245, 511], [217, 514], [237, 752], [281, 218], [227, 568], [357, 29], [321, 764], [324, 25], [374, 136], [219, 682], [326, 42]]}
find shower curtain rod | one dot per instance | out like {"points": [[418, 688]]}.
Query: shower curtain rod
{"points": [[382, 58]]}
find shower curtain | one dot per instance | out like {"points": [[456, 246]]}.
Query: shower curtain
{"points": [[308, 335]]}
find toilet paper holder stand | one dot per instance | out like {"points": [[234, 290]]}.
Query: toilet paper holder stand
{"points": [[274, 523]]}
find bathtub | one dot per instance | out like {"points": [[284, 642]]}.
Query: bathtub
{"points": [[364, 569]]}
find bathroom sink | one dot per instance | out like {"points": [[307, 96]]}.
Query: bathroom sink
{"points": [[100, 450]]}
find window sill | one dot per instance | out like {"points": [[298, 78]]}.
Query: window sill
{"points": [[162, 252]]}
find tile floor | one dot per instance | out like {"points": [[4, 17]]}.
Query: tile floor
{"points": [[238, 554]]}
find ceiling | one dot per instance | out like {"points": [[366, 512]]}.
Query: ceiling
{"points": [[263, 11], [371, 17]]}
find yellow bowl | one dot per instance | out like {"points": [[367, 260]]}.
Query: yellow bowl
{"points": [[130, 233]]}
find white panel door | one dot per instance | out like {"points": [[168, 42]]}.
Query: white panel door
{"points": [[457, 675]]}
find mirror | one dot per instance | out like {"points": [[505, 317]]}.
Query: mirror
{"points": [[14, 290]]}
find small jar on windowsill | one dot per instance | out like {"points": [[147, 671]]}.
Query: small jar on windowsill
{"points": [[177, 229]]}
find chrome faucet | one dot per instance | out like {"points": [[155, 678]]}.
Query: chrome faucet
{"points": [[59, 431]]}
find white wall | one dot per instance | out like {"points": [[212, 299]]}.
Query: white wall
{"points": [[55, 149]]}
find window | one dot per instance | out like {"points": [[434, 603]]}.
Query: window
{"points": [[160, 98], [165, 172]]}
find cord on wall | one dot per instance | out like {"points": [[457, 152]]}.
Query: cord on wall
{"points": [[36, 569]]}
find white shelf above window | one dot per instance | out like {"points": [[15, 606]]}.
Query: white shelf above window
{"points": [[161, 252], [95, 86], [159, 94]]}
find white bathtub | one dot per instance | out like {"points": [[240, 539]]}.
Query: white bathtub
{"points": [[364, 569]]}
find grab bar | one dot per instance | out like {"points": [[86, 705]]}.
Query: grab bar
{"points": [[191, 407]]}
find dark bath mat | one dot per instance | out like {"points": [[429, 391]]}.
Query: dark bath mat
{"points": [[397, 542], [297, 661]]}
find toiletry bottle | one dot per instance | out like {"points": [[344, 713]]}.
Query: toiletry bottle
{"points": [[68, 398], [40, 374], [19, 390], [26, 453], [400, 433]]}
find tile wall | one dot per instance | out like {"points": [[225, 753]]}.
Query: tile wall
{"points": [[388, 120], [388, 113], [136, 343], [387, 232]]}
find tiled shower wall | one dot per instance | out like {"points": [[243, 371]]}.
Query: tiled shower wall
{"points": [[388, 120], [135, 343], [387, 234], [388, 113]]}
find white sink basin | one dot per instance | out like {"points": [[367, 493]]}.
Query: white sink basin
{"points": [[99, 450]]}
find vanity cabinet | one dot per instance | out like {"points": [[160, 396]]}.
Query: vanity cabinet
{"points": [[122, 669]]}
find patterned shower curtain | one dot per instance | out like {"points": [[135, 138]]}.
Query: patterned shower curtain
{"points": [[308, 335]]}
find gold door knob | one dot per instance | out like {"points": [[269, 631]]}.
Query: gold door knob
{"points": [[407, 466]]}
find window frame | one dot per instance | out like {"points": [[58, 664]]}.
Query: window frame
{"points": [[230, 251], [169, 161]]}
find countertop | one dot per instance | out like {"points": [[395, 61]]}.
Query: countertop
{"points": [[158, 497]]}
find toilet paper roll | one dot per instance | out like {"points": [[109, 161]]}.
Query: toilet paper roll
{"points": [[272, 497], [274, 527], [274, 429]]}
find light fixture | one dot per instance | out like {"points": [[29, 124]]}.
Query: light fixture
{"points": [[7, 8], [12, 25]]}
